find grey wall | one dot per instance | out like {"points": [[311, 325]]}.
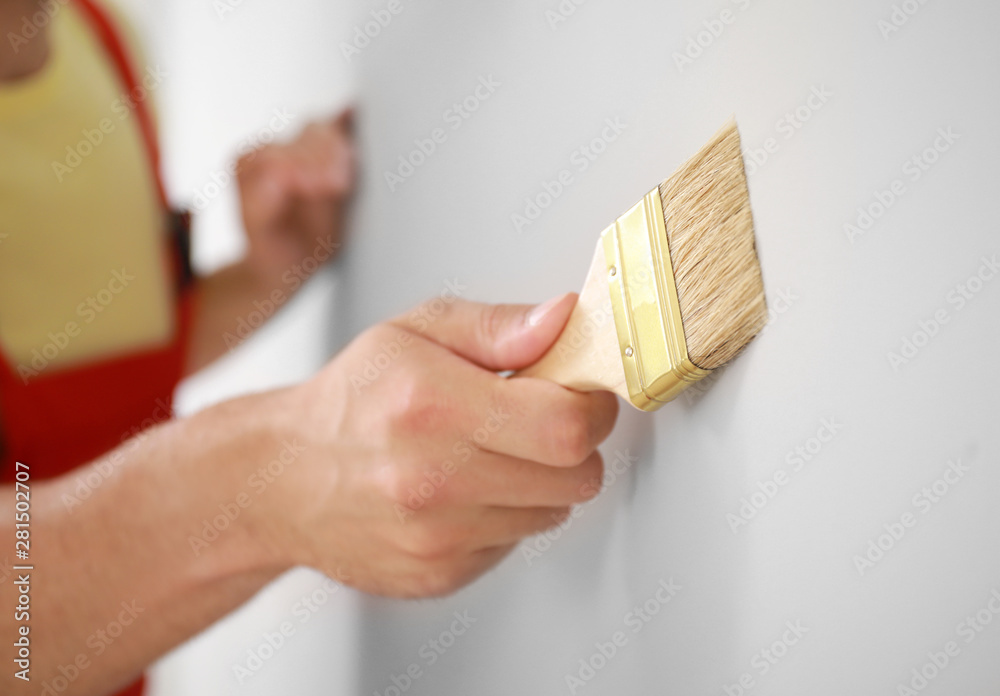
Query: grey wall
{"points": [[860, 440]]}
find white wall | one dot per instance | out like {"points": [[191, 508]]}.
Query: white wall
{"points": [[824, 357]]}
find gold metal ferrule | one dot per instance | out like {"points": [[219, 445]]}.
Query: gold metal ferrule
{"points": [[647, 313]]}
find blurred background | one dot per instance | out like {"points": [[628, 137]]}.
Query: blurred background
{"points": [[868, 130]]}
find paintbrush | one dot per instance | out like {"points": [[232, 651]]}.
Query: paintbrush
{"points": [[674, 290]]}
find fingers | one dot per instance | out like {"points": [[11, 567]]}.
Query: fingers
{"points": [[552, 425], [344, 121], [293, 195], [496, 480], [501, 481], [264, 176], [449, 532], [323, 160], [470, 408], [438, 577], [319, 163], [499, 337]]}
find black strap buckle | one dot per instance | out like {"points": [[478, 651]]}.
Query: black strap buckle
{"points": [[179, 229]]}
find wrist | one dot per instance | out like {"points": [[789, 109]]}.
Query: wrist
{"points": [[240, 524], [260, 277]]}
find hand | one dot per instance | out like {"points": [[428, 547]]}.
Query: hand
{"points": [[293, 198], [422, 467]]}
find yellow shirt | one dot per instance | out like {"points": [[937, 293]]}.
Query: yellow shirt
{"points": [[83, 272]]}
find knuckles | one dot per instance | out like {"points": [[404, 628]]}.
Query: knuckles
{"points": [[574, 425], [395, 483], [408, 396], [410, 487], [414, 407], [409, 410]]}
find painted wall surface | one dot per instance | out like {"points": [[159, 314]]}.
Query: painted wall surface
{"points": [[821, 516]]}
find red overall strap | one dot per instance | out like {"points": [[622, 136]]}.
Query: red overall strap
{"points": [[60, 419], [111, 40], [179, 230]]}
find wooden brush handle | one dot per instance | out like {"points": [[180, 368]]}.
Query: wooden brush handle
{"points": [[586, 355]]}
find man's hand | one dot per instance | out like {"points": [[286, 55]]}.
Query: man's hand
{"points": [[407, 467], [294, 196], [421, 467]]}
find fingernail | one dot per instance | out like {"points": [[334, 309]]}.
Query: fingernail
{"points": [[538, 313]]}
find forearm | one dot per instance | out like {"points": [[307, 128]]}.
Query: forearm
{"points": [[231, 304], [117, 578]]}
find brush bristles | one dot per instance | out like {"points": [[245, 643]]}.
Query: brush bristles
{"points": [[710, 235]]}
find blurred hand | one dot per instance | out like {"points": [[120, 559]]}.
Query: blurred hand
{"points": [[421, 467], [294, 197]]}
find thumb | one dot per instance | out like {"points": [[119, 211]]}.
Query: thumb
{"points": [[497, 337]]}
